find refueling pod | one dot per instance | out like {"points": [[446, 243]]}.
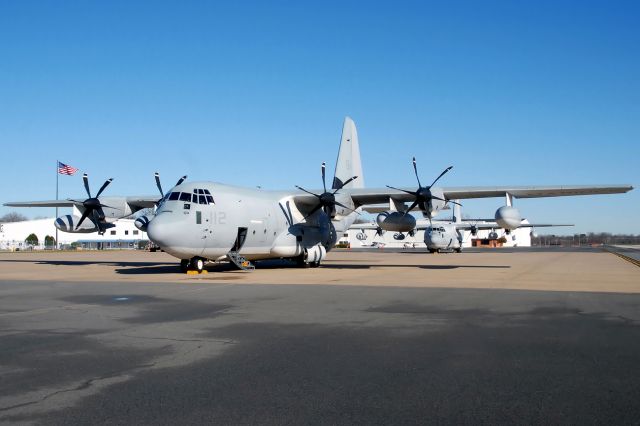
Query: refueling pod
{"points": [[396, 221], [508, 217], [315, 254], [68, 223]]}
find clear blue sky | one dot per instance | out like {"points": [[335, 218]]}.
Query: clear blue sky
{"points": [[510, 93]]}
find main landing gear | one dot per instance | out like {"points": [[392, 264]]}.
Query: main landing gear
{"points": [[193, 264], [301, 263]]}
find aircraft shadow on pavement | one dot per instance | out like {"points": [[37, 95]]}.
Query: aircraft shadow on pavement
{"points": [[165, 268], [141, 268], [87, 262], [433, 267]]}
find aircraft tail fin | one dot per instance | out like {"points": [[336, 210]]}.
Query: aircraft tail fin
{"points": [[348, 163]]}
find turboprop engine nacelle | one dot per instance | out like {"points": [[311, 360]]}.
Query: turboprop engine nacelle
{"points": [[508, 217], [142, 222], [396, 221], [68, 224]]}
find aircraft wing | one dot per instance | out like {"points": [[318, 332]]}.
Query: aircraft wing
{"points": [[365, 196], [463, 226], [49, 203], [137, 202], [493, 225], [364, 226]]}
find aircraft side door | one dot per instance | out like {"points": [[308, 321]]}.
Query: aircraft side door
{"points": [[202, 216]]}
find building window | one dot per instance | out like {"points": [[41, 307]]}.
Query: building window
{"points": [[135, 232], [113, 232], [126, 232]]}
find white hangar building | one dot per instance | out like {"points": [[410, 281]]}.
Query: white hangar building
{"points": [[124, 235]]}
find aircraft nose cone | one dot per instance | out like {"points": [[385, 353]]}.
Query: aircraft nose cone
{"points": [[159, 230]]}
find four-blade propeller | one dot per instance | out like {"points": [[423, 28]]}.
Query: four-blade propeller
{"points": [[423, 195], [92, 205], [327, 200], [157, 176]]}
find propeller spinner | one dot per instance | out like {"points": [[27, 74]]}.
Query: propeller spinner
{"points": [[327, 200]]}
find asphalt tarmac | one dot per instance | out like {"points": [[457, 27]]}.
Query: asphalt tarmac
{"points": [[130, 352]]}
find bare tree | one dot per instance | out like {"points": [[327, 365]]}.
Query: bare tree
{"points": [[13, 217]]}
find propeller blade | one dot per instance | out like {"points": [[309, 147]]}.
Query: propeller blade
{"points": [[104, 185], [182, 179], [446, 201], [85, 179], [157, 176], [348, 208], [83, 217], [345, 183], [441, 174], [104, 205], [308, 192], [315, 209], [97, 216], [415, 203], [414, 193], [324, 184], [415, 169]]}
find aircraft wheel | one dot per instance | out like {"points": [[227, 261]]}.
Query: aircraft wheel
{"points": [[300, 263], [314, 264], [458, 250], [184, 265], [197, 264]]}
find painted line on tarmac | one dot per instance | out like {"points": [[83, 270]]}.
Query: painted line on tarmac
{"points": [[622, 256]]}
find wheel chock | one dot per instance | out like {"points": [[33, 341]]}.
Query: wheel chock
{"points": [[191, 272]]}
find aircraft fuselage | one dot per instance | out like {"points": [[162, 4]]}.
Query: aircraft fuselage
{"points": [[256, 223]]}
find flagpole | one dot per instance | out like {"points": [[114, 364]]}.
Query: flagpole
{"points": [[57, 177]]}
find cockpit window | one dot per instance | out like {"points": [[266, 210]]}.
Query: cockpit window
{"points": [[174, 196], [199, 196]]}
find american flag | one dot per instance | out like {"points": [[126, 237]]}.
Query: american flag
{"points": [[65, 169]]}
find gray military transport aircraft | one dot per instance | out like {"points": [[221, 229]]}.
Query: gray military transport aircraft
{"points": [[206, 221]]}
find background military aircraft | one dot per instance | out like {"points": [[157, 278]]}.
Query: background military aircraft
{"points": [[207, 221], [446, 235]]}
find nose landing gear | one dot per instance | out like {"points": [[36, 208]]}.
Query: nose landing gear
{"points": [[194, 264]]}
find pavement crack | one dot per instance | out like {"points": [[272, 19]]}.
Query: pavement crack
{"points": [[84, 385], [171, 339]]}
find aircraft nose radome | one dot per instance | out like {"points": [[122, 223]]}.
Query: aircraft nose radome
{"points": [[159, 231]]}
